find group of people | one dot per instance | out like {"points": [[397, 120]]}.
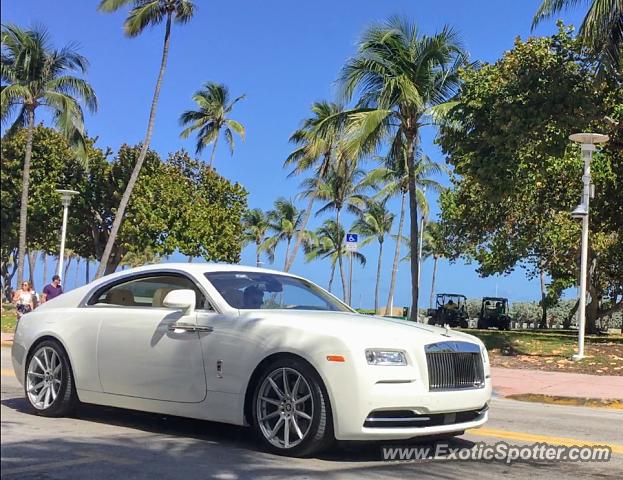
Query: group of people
{"points": [[26, 299]]}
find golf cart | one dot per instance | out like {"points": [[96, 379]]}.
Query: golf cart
{"points": [[494, 313], [450, 309]]}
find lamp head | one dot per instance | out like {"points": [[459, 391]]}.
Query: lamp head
{"points": [[589, 138], [579, 212], [66, 196]]}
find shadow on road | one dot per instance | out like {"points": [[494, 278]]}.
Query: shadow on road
{"points": [[157, 446]]}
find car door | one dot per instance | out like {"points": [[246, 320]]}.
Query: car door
{"points": [[139, 354]]}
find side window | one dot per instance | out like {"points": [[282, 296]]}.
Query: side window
{"points": [[146, 292]]}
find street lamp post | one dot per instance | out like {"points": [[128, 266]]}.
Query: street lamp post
{"points": [[65, 200], [588, 141]]}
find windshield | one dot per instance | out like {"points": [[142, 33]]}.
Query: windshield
{"points": [[257, 290]]}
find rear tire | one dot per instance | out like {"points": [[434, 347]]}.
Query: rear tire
{"points": [[290, 410], [49, 383]]}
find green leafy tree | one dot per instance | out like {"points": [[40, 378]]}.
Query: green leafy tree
{"points": [[143, 14], [374, 223], [601, 29], [53, 165], [326, 242], [517, 176], [256, 225], [35, 75], [212, 118], [178, 205], [399, 75]]}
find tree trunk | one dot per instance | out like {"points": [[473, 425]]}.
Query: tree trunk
{"points": [[378, 280], [32, 265], [257, 253], [86, 272], [112, 238], [213, 150], [8, 274], [299, 235], [287, 253], [543, 322], [331, 275], [339, 258], [44, 257], [190, 259], [432, 285], [392, 283], [414, 224], [23, 210], [566, 324]]}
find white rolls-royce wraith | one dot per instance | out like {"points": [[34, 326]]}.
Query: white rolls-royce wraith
{"points": [[249, 346]]}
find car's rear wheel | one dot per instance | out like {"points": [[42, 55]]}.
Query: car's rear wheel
{"points": [[291, 413], [49, 385]]}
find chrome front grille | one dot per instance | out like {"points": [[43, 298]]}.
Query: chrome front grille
{"points": [[454, 366]]}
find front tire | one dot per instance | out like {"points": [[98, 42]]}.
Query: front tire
{"points": [[49, 383], [291, 413]]}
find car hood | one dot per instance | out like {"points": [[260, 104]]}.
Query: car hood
{"points": [[347, 325]]}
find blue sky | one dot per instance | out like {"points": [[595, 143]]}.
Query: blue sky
{"points": [[283, 56]]}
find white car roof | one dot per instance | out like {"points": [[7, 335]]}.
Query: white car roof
{"points": [[202, 267]]}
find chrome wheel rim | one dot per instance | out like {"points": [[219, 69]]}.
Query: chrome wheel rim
{"points": [[285, 408], [43, 379]]}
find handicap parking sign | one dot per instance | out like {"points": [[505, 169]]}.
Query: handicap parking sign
{"points": [[351, 238]]}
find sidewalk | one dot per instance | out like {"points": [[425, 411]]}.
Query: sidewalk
{"points": [[6, 338], [509, 381]]}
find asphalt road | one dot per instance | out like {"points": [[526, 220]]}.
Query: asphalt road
{"points": [[104, 443]]}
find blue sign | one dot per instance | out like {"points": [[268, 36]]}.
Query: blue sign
{"points": [[351, 238]]}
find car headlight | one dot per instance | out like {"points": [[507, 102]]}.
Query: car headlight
{"points": [[385, 357]]}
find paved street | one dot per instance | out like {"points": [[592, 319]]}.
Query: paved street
{"points": [[110, 443]]}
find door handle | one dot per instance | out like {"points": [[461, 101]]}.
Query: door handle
{"points": [[189, 327]]}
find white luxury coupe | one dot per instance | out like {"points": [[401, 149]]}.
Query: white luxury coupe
{"points": [[249, 346]]}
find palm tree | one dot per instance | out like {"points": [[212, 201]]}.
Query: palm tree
{"points": [[401, 76], [315, 142], [143, 14], [284, 221], [434, 246], [342, 189], [211, 118], [325, 243], [35, 75], [601, 29], [374, 223], [394, 181], [256, 226]]}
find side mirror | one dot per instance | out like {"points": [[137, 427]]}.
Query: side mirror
{"points": [[183, 299]]}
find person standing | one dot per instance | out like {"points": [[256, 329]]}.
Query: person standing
{"points": [[52, 290], [24, 300]]}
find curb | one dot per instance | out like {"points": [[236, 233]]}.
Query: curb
{"points": [[612, 403]]}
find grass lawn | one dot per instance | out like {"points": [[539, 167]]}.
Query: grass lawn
{"points": [[552, 351], [9, 320]]}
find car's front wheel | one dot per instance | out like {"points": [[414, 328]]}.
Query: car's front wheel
{"points": [[291, 412], [49, 385]]}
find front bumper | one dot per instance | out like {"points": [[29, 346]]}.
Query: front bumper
{"points": [[357, 391]]}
